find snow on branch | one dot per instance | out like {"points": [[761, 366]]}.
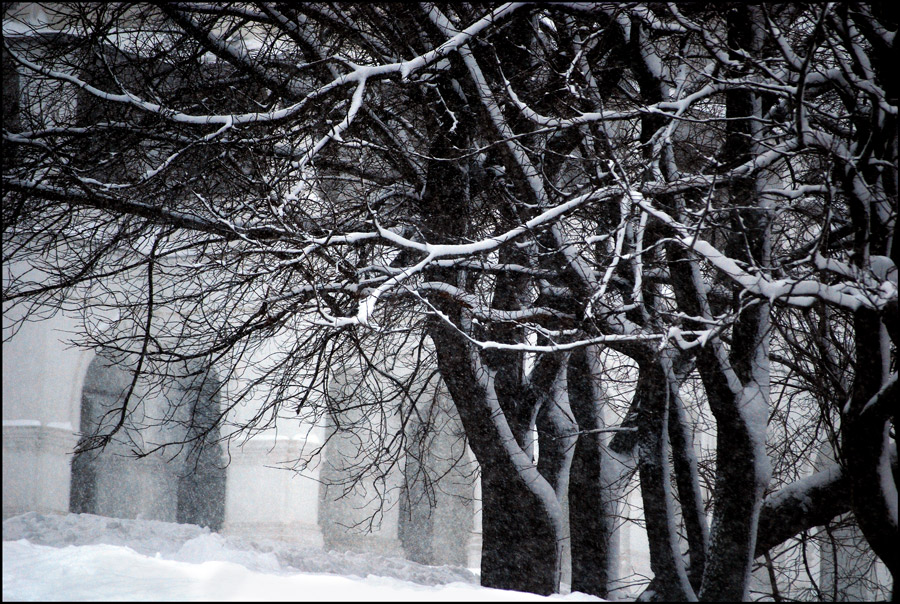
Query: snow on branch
{"points": [[796, 292], [359, 74]]}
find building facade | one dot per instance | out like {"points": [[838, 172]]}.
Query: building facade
{"points": [[53, 393], [299, 482]]}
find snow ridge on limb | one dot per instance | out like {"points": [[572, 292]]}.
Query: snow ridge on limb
{"points": [[796, 292], [358, 75], [802, 505]]}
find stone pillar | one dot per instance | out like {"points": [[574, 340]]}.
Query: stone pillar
{"points": [[36, 462], [265, 500], [436, 512], [357, 515], [41, 397], [358, 500]]}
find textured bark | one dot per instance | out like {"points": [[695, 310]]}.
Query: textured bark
{"points": [[735, 518], [592, 501], [522, 530], [555, 424], [556, 429], [670, 578], [688, 482], [521, 517]]}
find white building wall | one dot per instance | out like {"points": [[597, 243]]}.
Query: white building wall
{"points": [[42, 375], [35, 467], [41, 380], [263, 499]]}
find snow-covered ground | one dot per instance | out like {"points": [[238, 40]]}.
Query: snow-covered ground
{"points": [[86, 557]]}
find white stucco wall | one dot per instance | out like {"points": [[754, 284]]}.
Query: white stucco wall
{"points": [[42, 379]]}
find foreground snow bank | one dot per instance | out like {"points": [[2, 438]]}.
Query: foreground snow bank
{"points": [[86, 557], [191, 543]]}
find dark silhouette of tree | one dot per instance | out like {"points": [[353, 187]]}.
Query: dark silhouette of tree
{"points": [[515, 188]]}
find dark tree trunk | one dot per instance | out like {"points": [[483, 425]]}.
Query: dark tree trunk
{"points": [[521, 540], [741, 463], [592, 499], [866, 422], [556, 426], [738, 496], [670, 582], [556, 429], [737, 386], [688, 483], [521, 517]]}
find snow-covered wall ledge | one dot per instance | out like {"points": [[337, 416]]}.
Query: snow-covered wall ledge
{"points": [[36, 466]]}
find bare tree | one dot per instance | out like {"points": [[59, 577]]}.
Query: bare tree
{"points": [[521, 186]]}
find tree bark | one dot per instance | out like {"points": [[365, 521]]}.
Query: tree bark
{"points": [[592, 496], [521, 517], [688, 482], [801, 506], [670, 576]]}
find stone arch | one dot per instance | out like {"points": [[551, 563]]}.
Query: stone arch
{"points": [[201, 480], [186, 485]]}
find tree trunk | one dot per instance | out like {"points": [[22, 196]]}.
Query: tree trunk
{"points": [[522, 532], [670, 582], [556, 429], [521, 516], [688, 482], [738, 386], [738, 400], [592, 495], [738, 496]]}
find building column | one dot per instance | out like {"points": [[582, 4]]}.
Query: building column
{"points": [[265, 497], [36, 460]]}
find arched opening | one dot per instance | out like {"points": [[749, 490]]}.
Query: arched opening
{"points": [[184, 485], [201, 478]]}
